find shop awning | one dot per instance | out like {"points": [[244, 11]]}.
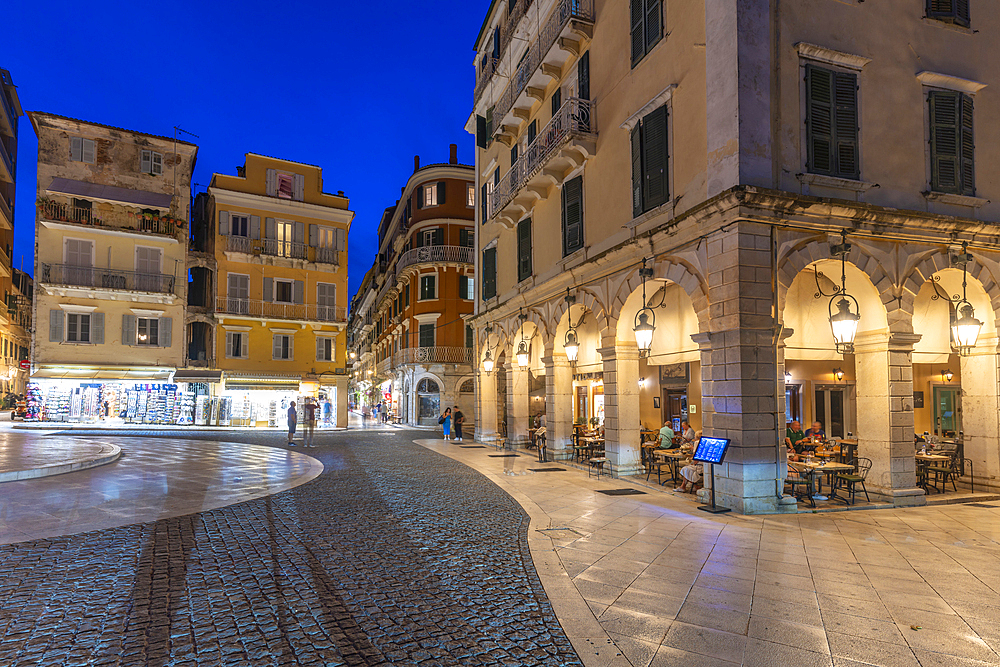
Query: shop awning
{"points": [[110, 193], [262, 381], [138, 374], [197, 375]]}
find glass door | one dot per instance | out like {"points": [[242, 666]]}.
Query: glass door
{"points": [[947, 412], [283, 232], [834, 408]]}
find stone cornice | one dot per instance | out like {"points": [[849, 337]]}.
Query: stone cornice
{"points": [[830, 56], [949, 82]]}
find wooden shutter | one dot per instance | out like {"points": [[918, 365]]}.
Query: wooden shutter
{"points": [[271, 183], [583, 76], [340, 238], [513, 153], [654, 24], [845, 90], [97, 328], [963, 14], [88, 151], [76, 149], [636, 141], [572, 215], [637, 15], [229, 343], [277, 349], [489, 273], [298, 187], [483, 203], [165, 332], [524, 249], [224, 223], [819, 119], [299, 232], [482, 140], [128, 329], [654, 159], [313, 235], [420, 197], [439, 236], [320, 349], [270, 230], [968, 148], [945, 158], [145, 162], [268, 289], [557, 100], [298, 292], [489, 125], [532, 131], [440, 192], [56, 319], [496, 42], [255, 227]]}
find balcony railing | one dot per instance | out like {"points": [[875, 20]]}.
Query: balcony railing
{"points": [[507, 33], [433, 355], [573, 119], [111, 279], [390, 282], [435, 254], [6, 210], [565, 10], [276, 248], [19, 310], [279, 310], [117, 218], [5, 154], [383, 367]]}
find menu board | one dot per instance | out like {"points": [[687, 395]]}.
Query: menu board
{"points": [[711, 450]]}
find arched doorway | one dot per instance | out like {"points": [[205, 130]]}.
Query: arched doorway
{"points": [[428, 402]]}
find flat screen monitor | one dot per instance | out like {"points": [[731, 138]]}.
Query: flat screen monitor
{"points": [[711, 450]]}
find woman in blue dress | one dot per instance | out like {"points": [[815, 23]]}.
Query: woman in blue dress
{"points": [[446, 421]]}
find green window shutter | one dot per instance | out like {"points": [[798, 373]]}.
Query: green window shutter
{"points": [[845, 89], [819, 119], [439, 236], [557, 100], [944, 116], [968, 147], [470, 337], [572, 215], [583, 76], [636, 140], [489, 273], [963, 13], [483, 197], [654, 159], [441, 190], [481, 137], [489, 125], [638, 23], [426, 335], [524, 249], [420, 197], [513, 153], [654, 24], [406, 293], [532, 131]]}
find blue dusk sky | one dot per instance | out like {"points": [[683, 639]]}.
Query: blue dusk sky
{"points": [[357, 88]]}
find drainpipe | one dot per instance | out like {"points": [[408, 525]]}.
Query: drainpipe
{"points": [[775, 341]]}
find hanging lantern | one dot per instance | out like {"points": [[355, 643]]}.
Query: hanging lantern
{"points": [[523, 356], [645, 319], [965, 330], [488, 362], [838, 373], [844, 323], [947, 375], [571, 345]]}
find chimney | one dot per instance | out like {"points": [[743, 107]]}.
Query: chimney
{"points": [[453, 158], [416, 163]]}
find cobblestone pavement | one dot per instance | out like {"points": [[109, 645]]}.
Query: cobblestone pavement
{"points": [[393, 556]]}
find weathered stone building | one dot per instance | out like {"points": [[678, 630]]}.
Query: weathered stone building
{"points": [[726, 146]]}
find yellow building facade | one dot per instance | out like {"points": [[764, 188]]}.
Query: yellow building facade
{"points": [[269, 271]]}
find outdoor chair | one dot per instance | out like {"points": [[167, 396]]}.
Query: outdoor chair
{"points": [[801, 485], [657, 464], [597, 463], [947, 473], [851, 480]]}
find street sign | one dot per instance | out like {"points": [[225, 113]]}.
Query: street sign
{"points": [[25, 365]]}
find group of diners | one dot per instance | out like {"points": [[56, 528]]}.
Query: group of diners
{"points": [[666, 447], [811, 456]]}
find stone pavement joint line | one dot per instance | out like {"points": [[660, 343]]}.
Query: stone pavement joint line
{"points": [[393, 556]]}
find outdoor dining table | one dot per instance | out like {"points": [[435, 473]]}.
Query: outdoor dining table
{"points": [[925, 460], [815, 470], [588, 445], [673, 457]]}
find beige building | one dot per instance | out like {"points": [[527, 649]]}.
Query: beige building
{"points": [[726, 146], [111, 236]]}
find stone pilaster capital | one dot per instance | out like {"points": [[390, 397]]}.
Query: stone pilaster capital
{"points": [[703, 339], [555, 360]]}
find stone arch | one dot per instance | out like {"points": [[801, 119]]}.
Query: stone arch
{"points": [[925, 270], [669, 270], [585, 298], [427, 374]]}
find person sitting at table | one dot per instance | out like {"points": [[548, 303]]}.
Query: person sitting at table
{"points": [[816, 431], [794, 436], [691, 475], [687, 434], [666, 437]]}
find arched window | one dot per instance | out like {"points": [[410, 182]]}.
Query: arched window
{"points": [[468, 387], [427, 386]]}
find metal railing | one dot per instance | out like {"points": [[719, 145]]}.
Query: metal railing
{"points": [[117, 218], [435, 253], [383, 367], [390, 282], [279, 310], [573, 119], [433, 355], [507, 32], [276, 248], [19, 310], [565, 10], [112, 279]]}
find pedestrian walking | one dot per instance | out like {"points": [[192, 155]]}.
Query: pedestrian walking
{"points": [[459, 419], [293, 420], [445, 420], [310, 416]]}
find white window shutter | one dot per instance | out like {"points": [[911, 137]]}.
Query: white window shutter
{"points": [[291, 347], [298, 187], [255, 227], [56, 325], [165, 326], [76, 149], [157, 163], [229, 343], [320, 349], [271, 183], [97, 328], [299, 232], [128, 329], [298, 292], [145, 162], [270, 230], [341, 239], [224, 223], [276, 346], [245, 345], [268, 289], [88, 151]]}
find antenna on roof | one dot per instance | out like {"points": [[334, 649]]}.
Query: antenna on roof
{"points": [[177, 129]]}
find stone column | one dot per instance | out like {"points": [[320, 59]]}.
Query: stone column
{"points": [[517, 403], [342, 391], [981, 415], [558, 406], [486, 402], [883, 367], [621, 405]]}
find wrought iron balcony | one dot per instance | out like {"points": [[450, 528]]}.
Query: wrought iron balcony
{"points": [[436, 254], [564, 12], [276, 248], [507, 32], [116, 218], [106, 279], [433, 355], [574, 120], [279, 310]]}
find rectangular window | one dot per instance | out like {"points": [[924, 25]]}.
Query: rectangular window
{"points": [[467, 238], [237, 345], [489, 273], [951, 11], [430, 195], [239, 225], [326, 301], [151, 162], [470, 195], [406, 294], [466, 287], [952, 143], [283, 291], [524, 249], [286, 186], [428, 287], [147, 331], [282, 347], [649, 162], [81, 150], [325, 237], [532, 131], [427, 237], [572, 215], [426, 335], [324, 348], [647, 27], [470, 336], [832, 123], [557, 100], [78, 327]]}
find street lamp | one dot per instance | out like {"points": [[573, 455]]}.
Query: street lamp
{"points": [[488, 362], [965, 330], [645, 319], [572, 341], [523, 355], [843, 322], [947, 375]]}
